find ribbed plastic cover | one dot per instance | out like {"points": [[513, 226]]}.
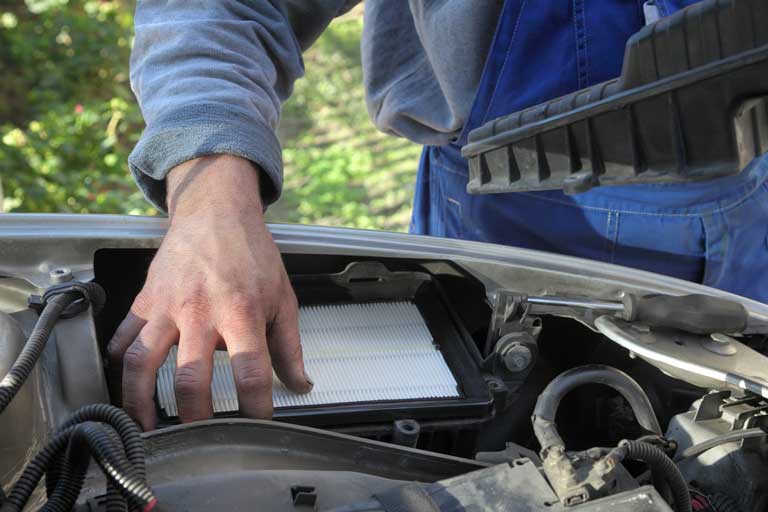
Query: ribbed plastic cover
{"points": [[354, 353]]}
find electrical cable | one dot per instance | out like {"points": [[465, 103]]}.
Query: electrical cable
{"points": [[661, 466], [58, 301], [34, 346], [102, 431], [544, 413], [730, 437]]}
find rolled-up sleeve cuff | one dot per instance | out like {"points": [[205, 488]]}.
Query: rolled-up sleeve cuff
{"points": [[200, 131]]}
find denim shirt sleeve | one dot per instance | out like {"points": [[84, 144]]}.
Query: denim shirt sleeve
{"points": [[210, 77]]}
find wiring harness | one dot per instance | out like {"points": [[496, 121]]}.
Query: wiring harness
{"points": [[559, 466], [100, 432]]}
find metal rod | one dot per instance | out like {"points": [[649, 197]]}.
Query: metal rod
{"points": [[576, 303]]}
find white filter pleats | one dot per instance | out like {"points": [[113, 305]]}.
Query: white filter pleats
{"points": [[354, 353]]}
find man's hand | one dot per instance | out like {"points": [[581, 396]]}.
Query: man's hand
{"points": [[216, 281]]}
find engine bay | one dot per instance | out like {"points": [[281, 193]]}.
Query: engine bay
{"points": [[432, 392]]}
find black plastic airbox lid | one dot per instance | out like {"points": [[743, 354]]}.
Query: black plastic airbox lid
{"points": [[690, 105]]}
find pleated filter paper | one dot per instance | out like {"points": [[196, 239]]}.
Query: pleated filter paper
{"points": [[354, 353]]}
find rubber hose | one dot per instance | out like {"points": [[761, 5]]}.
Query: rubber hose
{"points": [[737, 435], [662, 466], [549, 400], [34, 346]]}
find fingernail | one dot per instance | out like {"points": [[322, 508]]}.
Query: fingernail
{"points": [[309, 379]]}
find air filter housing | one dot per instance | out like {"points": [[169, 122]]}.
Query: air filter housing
{"points": [[379, 346]]}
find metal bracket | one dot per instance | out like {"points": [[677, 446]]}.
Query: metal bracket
{"points": [[707, 361]]}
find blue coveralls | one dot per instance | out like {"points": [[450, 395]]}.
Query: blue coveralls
{"points": [[714, 232]]}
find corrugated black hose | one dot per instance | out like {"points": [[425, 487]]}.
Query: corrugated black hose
{"points": [[103, 443], [130, 436], [29, 355], [662, 467], [93, 439], [110, 456], [64, 480], [102, 431], [58, 301]]}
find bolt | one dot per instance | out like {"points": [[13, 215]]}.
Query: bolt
{"points": [[720, 344], [517, 357], [721, 338], [60, 275]]}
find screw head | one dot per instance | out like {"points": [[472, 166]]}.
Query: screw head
{"points": [[517, 357], [60, 275]]}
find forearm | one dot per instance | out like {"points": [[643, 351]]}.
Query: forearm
{"points": [[210, 78]]}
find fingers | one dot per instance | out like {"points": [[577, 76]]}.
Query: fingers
{"points": [[125, 334], [194, 370], [141, 361], [245, 336], [285, 348]]}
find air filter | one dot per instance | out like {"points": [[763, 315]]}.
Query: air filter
{"points": [[371, 352], [379, 344]]}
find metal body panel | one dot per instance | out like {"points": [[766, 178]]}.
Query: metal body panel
{"points": [[31, 245]]}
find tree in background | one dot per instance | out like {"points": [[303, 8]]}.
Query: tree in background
{"points": [[67, 116], [68, 121]]}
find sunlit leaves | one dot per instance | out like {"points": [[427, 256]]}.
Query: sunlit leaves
{"points": [[68, 121]]}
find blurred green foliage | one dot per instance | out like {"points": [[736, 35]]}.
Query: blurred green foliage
{"points": [[68, 121]]}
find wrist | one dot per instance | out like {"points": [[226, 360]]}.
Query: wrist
{"points": [[211, 184]]}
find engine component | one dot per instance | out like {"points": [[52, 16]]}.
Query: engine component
{"points": [[734, 468], [354, 353], [268, 463], [578, 478], [549, 401], [406, 433], [285, 467], [379, 346], [503, 487]]}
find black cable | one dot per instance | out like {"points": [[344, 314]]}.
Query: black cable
{"points": [[549, 400], [34, 346], [122, 423], [103, 443], [111, 437], [65, 479], [661, 467], [58, 301], [111, 457], [23, 487], [737, 435], [128, 435]]}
